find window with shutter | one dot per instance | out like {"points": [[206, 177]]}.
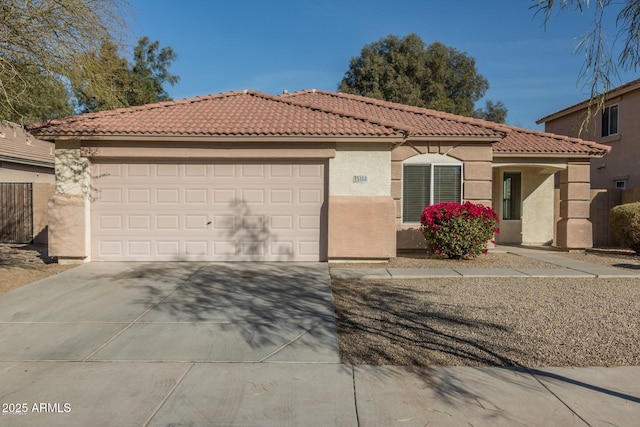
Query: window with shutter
{"points": [[428, 184]]}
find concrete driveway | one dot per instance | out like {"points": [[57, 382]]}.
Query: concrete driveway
{"points": [[135, 344], [188, 312]]}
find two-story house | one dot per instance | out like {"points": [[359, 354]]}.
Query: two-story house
{"points": [[615, 177], [616, 125]]}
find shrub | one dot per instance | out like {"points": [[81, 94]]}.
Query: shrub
{"points": [[457, 230], [625, 224]]}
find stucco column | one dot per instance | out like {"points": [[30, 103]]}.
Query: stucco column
{"points": [[69, 226], [574, 228]]}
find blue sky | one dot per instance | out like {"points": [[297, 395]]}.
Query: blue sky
{"points": [[303, 44]]}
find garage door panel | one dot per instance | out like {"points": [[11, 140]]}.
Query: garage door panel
{"points": [[167, 171], [139, 222], [168, 248], [252, 171], [207, 211], [252, 196], [138, 170], [166, 195], [167, 222], [196, 195], [137, 248]]}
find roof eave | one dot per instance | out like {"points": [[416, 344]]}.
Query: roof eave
{"points": [[29, 162], [502, 154], [393, 139], [432, 138], [620, 90]]}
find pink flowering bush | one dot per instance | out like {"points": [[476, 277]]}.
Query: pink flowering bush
{"points": [[454, 230]]}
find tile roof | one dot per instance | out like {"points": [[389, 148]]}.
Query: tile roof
{"points": [[307, 113], [18, 146], [243, 113], [425, 122], [530, 142], [420, 121]]}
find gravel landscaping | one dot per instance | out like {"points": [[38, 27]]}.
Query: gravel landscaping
{"points": [[529, 322], [422, 260], [22, 264]]}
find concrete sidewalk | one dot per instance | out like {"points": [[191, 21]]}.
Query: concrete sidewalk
{"points": [[565, 267], [303, 394]]}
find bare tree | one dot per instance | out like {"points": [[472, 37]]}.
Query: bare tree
{"points": [[52, 37], [600, 65]]}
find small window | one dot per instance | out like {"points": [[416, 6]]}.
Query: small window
{"points": [[427, 184], [610, 120], [511, 184], [621, 185]]}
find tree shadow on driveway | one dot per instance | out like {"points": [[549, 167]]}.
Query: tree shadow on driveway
{"points": [[267, 304]]}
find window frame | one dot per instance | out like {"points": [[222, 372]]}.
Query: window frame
{"points": [[620, 181], [431, 183], [606, 112], [517, 197]]}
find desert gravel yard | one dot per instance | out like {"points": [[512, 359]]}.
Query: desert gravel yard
{"points": [[530, 322], [22, 264]]}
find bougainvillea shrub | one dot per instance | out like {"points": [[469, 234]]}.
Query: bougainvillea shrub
{"points": [[458, 230]]}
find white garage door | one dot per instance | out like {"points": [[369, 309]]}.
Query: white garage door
{"points": [[217, 212]]}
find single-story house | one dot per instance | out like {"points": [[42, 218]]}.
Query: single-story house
{"points": [[307, 176], [27, 180]]}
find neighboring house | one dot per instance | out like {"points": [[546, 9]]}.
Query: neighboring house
{"points": [[306, 176], [615, 178], [26, 183], [615, 125]]}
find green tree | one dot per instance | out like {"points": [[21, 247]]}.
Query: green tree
{"points": [[104, 68], [150, 72], [141, 82], [44, 40], [493, 112], [600, 66], [407, 71]]}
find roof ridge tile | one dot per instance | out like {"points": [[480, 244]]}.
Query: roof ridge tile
{"points": [[399, 107]]}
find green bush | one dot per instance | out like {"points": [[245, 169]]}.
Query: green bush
{"points": [[456, 230], [624, 221]]}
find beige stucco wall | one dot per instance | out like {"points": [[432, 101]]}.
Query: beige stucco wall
{"points": [[42, 192], [476, 158], [621, 163], [361, 227], [73, 172], [361, 211], [360, 169], [70, 208], [537, 223], [574, 230], [68, 228], [537, 207]]}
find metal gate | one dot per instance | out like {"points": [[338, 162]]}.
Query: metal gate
{"points": [[16, 212]]}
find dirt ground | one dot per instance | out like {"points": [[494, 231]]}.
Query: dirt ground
{"points": [[22, 264]]}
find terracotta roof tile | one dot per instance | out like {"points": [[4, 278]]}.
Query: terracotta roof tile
{"points": [[426, 122], [420, 121], [525, 141], [18, 145], [307, 113], [243, 113]]}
